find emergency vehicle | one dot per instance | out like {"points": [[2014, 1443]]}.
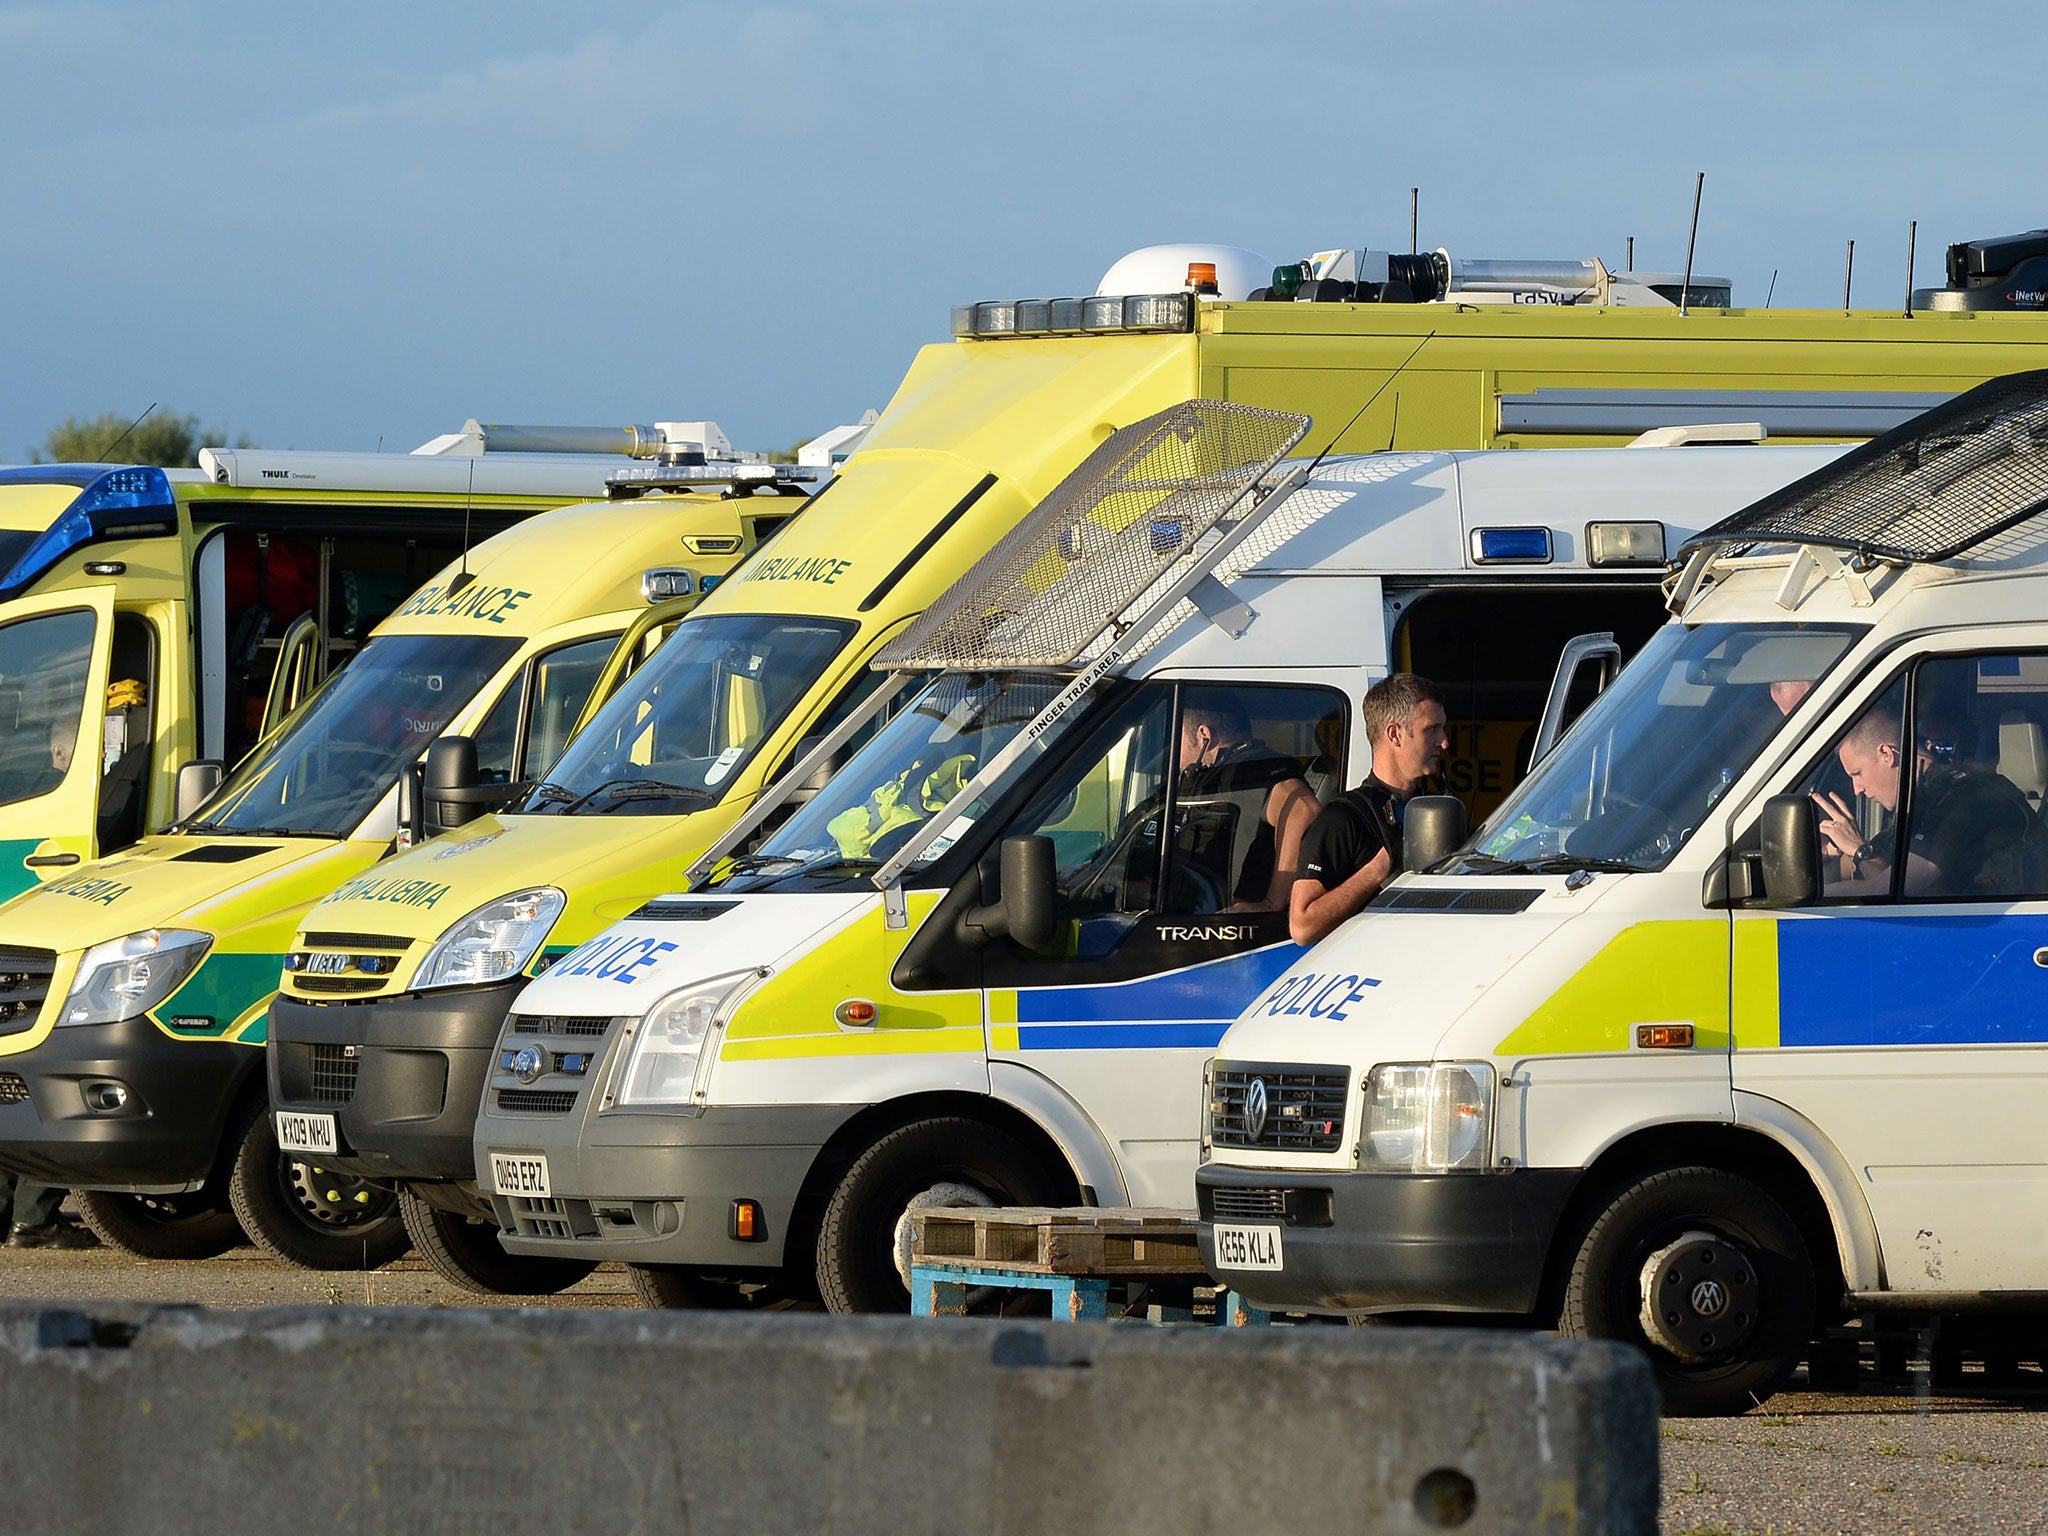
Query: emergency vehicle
{"points": [[978, 432], [134, 991], [150, 618], [984, 963], [1729, 1024]]}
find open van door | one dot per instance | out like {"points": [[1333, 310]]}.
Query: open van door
{"points": [[296, 674], [54, 653], [1588, 664]]}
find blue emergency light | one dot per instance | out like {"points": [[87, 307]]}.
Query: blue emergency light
{"points": [[134, 499], [1518, 546]]}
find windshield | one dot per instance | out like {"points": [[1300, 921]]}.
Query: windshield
{"points": [[684, 726], [339, 754], [1644, 765], [915, 765]]}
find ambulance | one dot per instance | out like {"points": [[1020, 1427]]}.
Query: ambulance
{"points": [[134, 990], [1729, 1023], [984, 963], [150, 618], [1495, 354]]}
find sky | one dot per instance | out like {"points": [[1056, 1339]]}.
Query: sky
{"points": [[353, 226]]}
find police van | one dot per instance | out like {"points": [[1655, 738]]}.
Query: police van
{"points": [[151, 618], [135, 990], [984, 963], [1728, 1024]]}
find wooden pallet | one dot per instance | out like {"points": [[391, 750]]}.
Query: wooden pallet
{"points": [[1085, 1240]]}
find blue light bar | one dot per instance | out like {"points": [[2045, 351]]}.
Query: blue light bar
{"points": [[135, 499], [1516, 546]]}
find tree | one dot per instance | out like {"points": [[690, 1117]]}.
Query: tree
{"points": [[163, 437]]}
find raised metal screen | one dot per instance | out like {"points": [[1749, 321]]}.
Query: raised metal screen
{"points": [[1138, 506], [1941, 484]]}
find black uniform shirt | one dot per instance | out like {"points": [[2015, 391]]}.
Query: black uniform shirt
{"points": [[1350, 832]]}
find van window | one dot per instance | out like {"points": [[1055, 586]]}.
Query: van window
{"points": [[129, 734], [1946, 772], [521, 739], [44, 663]]}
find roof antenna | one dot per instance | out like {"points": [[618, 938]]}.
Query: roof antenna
{"points": [[1414, 218], [462, 578], [1394, 427], [1630, 265], [1849, 277], [1912, 234], [1772, 289], [1685, 293], [1316, 462], [117, 442]]}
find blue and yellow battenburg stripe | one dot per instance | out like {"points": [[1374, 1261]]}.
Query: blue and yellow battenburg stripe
{"points": [[1185, 1009]]}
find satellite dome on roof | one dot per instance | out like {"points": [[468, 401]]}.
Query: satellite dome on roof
{"points": [[1164, 269]]}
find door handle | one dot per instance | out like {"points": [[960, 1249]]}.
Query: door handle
{"points": [[48, 860], [2041, 958]]}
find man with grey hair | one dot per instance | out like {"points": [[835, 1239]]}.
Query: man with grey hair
{"points": [[1354, 846]]}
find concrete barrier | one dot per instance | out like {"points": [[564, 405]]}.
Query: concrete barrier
{"points": [[280, 1423]]}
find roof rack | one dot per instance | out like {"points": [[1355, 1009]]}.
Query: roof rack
{"points": [[1929, 490]]}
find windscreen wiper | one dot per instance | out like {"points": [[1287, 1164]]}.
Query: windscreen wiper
{"points": [[622, 790], [1564, 864]]}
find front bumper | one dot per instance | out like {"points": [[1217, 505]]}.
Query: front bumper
{"points": [[165, 1138], [406, 1101], [1391, 1242], [657, 1188]]}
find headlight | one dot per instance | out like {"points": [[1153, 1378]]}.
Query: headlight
{"points": [[1428, 1117], [662, 1065], [125, 978], [493, 942]]}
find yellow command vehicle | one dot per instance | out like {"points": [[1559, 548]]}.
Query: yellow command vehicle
{"points": [[150, 618], [978, 432], [134, 991]]}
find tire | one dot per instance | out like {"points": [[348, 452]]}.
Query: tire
{"points": [[674, 1288], [465, 1252], [294, 1213], [953, 1161], [1701, 1207], [159, 1226]]}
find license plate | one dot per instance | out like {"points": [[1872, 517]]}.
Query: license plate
{"points": [[1240, 1247], [520, 1175], [306, 1133]]}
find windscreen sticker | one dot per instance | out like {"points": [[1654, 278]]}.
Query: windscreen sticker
{"points": [[611, 958], [473, 601], [716, 773], [404, 893]]}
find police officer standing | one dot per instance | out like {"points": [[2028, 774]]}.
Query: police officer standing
{"points": [[1354, 846]]}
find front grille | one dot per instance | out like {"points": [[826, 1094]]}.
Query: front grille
{"points": [[353, 941], [12, 1089], [331, 1073], [1304, 1106], [24, 984], [540, 1217], [558, 1024], [537, 1101], [342, 985], [1249, 1204]]}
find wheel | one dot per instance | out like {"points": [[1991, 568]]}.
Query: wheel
{"points": [[159, 1226], [465, 1252], [1709, 1276], [304, 1214], [864, 1240], [673, 1288]]}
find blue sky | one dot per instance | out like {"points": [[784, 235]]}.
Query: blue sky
{"points": [[330, 226]]}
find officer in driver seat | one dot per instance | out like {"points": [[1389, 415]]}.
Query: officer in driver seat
{"points": [[1241, 806]]}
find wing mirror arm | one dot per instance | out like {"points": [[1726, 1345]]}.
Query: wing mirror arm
{"points": [[1026, 908]]}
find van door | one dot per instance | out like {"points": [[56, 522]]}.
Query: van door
{"points": [[54, 654], [296, 672], [1906, 1013], [1176, 828]]}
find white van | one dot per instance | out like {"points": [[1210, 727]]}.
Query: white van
{"points": [[1678, 1048], [986, 961]]}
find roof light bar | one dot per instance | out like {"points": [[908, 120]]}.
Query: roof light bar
{"points": [[114, 502], [642, 478], [1140, 313]]}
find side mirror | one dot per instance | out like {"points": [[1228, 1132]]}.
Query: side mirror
{"points": [[450, 780], [1789, 833], [1432, 828], [1027, 907], [197, 781]]}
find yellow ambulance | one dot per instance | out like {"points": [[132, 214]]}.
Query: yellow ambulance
{"points": [[134, 990], [978, 432]]}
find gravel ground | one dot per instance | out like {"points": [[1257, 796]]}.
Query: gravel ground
{"points": [[1884, 1460]]}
